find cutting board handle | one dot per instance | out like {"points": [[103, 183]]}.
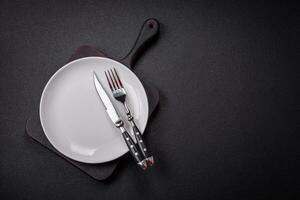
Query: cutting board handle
{"points": [[147, 35]]}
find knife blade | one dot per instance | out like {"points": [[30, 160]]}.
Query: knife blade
{"points": [[114, 116], [110, 109]]}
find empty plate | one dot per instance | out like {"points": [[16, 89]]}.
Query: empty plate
{"points": [[73, 117]]}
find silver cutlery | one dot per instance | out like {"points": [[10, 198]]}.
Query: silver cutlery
{"points": [[119, 94], [114, 116]]}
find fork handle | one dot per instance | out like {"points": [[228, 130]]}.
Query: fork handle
{"points": [[141, 144], [133, 149]]}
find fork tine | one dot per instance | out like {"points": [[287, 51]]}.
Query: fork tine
{"points": [[115, 79], [118, 78], [109, 83], [112, 80]]}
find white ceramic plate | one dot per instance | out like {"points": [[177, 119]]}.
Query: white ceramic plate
{"points": [[73, 117]]}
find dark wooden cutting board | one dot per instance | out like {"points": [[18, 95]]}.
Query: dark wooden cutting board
{"points": [[147, 35]]}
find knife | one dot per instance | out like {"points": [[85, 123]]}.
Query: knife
{"points": [[114, 116]]}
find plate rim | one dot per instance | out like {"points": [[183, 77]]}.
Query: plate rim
{"points": [[61, 69]]}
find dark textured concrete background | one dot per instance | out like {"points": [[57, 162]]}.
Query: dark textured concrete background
{"points": [[227, 123]]}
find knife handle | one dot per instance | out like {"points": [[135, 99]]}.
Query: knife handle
{"points": [[133, 150], [140, 142], [138, 136]]}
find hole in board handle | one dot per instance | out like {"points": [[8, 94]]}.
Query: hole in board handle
{"points": [[151, 25]]}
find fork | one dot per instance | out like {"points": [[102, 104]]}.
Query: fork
{"points": [[119, 94]]}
